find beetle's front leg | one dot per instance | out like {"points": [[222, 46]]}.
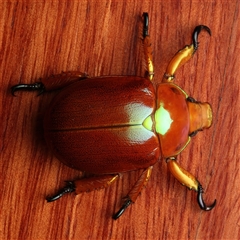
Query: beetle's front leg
{"points": [[183, 55], [53, 82], [188, 180], [85, 185], [147, 46], [134, 192]]}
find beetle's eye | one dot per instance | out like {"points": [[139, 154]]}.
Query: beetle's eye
{"points": [[192, 134], [191, 99]]}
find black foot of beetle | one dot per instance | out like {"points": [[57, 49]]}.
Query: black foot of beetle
{"points": [[70, 187], [196, 32], [201, 202], [145, 24], [127, 203], [29, 87]]}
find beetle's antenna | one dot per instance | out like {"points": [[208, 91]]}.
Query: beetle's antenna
{"points": [[196, 32], [201, 202], [29, 87], [70, 187]]}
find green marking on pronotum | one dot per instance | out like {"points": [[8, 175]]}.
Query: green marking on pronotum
{"points": [[163, 120]]}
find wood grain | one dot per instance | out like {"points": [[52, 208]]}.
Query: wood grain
{"points": [[40, 38]]}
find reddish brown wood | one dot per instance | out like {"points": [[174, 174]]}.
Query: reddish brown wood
{"points": [[40, 38]]}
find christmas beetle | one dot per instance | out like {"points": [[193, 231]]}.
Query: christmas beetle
{"points": [[112, 124]]}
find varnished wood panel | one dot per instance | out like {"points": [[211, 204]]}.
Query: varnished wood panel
{"points": [[40, 38]]}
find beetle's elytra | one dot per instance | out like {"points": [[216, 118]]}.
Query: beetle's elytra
{"points": [[112, 124]]}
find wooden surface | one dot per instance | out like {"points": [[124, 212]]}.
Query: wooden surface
{"points": [[40, 38]]}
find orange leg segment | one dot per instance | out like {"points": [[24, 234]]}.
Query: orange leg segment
{"points": [[188, 180], [147, 46], [183, 55], [94, 183], [85, 185], [134, 192]]}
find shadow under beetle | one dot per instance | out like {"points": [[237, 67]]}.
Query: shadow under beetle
{"points": [[112, 124]]}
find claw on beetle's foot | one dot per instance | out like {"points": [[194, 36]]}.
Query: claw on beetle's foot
{"points": [[126, 204], [28, 87], [70, 187], [196, 32], [145, 24], [201, 203]]}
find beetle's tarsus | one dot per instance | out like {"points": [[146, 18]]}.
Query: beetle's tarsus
{"points": [[127, 203], [145, 24], [70, 187], [28, 87], [196, 32], [201, 203]]}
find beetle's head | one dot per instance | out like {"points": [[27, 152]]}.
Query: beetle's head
{"points": [[200, 116]]}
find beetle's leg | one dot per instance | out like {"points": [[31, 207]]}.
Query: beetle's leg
{"points": [[183, 55], [189, 181], [53, 82], [134, 192], [85, 185], [147, 46], [38, 86], [70, 187]]}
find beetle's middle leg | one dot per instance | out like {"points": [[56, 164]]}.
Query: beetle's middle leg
{"points": [[147, 46], [134, 192], [183, 55]]}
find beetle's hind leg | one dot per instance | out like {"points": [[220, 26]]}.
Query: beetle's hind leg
{"points": [[147, 46], [134, 192], [188, 180], [51, 83], [183, 55], [85, 185]]}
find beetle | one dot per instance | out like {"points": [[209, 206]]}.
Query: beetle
{"points": [[112, 124]]}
